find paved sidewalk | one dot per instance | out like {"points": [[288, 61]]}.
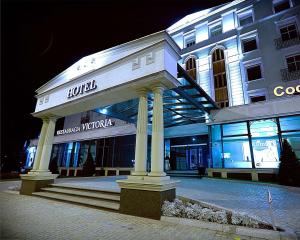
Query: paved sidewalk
{"points": [[25, 217], [242, 196]]}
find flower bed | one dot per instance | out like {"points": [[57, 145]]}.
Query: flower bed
{"points": [[186, 209]]}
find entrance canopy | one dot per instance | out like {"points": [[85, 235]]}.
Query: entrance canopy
{"points": [[109, 82], [186, 104]]}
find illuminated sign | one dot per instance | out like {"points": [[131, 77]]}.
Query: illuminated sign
{"points": [[87, 126], [280, 90], [81, 89]]}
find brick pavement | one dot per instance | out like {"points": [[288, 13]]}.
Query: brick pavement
{"points": [[242, 196], [24, 217]]}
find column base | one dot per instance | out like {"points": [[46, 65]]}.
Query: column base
{"points": [[139, 173], [144, 198], [35, 180], [157, 174]]}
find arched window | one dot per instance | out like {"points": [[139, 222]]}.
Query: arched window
{"points": [[190, 67], [220, 81]]}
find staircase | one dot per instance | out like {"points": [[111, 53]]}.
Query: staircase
{"points": [[96, 198]]}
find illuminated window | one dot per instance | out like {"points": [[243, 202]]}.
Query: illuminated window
{"points": [[220, 81], [190, 66], [288, 32], [293, 63], [290, 127], [265, 143], [254, 72], [280, 5], [249, 45]]}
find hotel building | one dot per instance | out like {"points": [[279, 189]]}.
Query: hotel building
{"points": [[238, 66]]}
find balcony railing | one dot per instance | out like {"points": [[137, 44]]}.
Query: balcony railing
{"points": [[286, 75], [279, 43]]}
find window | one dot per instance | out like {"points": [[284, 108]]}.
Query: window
{"points": [[189, 40], [254, 99], [249, 45], [220, 81], [215, 30], [288, 32], [265, 143], [245, 18], [293, 63], [280, 5], [190, 43], [190, 66], [254, 72], [85, 117], [290, 127]]}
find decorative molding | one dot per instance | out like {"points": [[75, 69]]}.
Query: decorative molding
{"points": [[136, 63], [150, 58], [46, 99], [41, 100]]}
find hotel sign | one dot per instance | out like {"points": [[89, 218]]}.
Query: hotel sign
{"points": [[280, 90], [87, 126], [81, 89]]}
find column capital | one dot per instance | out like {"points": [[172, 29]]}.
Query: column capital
{"points": [[49, 117], [158, 88], [142, 91]]}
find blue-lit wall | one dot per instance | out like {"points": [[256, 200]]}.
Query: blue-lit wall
{"points": [[253, 144]]}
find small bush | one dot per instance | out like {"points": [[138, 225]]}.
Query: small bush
{"points": [[289, 168], [182, 209]]}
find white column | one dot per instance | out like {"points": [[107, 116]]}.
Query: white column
{"points": [[157, 142], [141, 136], [39, 150], [46, 153]]}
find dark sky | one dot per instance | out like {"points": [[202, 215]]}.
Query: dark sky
{"points": [[41, 38]]}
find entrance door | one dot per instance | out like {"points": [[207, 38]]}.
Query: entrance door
{"points": [[193, 157], [188, 157]]}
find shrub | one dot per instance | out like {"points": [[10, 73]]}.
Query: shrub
{"points": [[289, 168]]}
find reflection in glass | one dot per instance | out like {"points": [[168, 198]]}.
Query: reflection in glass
{"points": [[236, 152], [265, 143], [294, 140]]}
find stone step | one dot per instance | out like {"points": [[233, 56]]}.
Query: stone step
{"points": [[185, 175], [84, 193], [85, 188], [96, 203]]}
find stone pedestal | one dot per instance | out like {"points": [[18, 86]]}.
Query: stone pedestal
{"points": [[35, 180], [144, 198]]}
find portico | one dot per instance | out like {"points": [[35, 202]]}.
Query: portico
{"points": [[134, 70]]}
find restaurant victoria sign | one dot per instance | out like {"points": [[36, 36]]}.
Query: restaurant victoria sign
{"points": [[87, 126]]}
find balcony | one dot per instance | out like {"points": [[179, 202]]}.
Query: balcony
{"points": [[279, 43], [286, 75]]}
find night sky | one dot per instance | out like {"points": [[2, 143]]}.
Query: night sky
{"points": [[41, 38]]}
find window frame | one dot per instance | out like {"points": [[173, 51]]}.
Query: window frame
{"points": [[290, 56], [213, 25], [247, 39], [243, 15], [257, 93], [188, 38], [274, 2]]}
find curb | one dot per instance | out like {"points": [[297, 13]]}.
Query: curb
{"points": [[287, 234]]}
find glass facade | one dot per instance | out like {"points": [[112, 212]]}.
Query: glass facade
{"points": [[186, 153], [253, 144], [106, 152]]}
